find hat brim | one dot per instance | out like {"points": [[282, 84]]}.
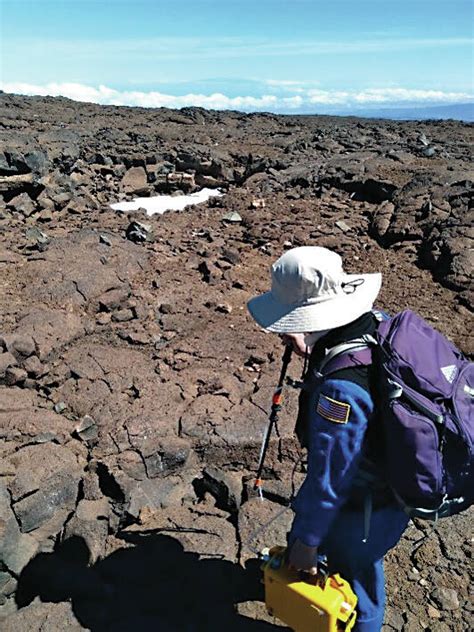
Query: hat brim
{"points": [[335, 312]]}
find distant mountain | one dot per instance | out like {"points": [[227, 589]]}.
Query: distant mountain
{"points": [[458, 112]]}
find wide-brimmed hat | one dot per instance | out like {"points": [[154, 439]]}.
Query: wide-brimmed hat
{"points": [[311, 292]]}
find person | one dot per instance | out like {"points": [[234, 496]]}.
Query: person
{"points": [[344, 508]]}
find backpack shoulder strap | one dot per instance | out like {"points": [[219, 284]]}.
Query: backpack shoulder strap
{"points": [[357, 352]]}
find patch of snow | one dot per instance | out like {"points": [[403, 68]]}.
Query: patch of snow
{"points": [[161, 203]]}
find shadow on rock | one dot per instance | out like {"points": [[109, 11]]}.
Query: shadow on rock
{"points": [[152, 585]]}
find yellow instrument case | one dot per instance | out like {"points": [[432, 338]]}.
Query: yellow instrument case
{"points": [[327, 605]]}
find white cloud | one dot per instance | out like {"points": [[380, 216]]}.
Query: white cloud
{"points": [[301, 99], [109, 96], [293, 103], [400, 95], [326, 97]]}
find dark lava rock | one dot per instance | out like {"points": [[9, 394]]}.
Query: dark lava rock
{"points": [[138, 232]]}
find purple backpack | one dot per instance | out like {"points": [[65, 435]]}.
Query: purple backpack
{"points": [[424, 398]]}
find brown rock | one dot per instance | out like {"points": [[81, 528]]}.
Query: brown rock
{"points": [[135, 181], [34, 367], [103, 318], [10, 184], [45, 202], [15, 400], [255, 513], [74, 271], [201, 528], [7, 256], [383, 217], [91, 484], [16, 549], [50, 329], [37, 464], [156, 494], [24, 424], [6, 360], [137, 337], [90, 523], [22, 204], [433, 612], [208, 181], [15, 375], [113, 299], [184, 180], [257, 203], [54, 617], [446, 598], [20, 345], [123, 315]]}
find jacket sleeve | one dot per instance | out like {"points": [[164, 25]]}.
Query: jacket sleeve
{"points": [[338, 416]]}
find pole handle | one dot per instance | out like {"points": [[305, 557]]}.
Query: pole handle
{"points": [[276, 405]]}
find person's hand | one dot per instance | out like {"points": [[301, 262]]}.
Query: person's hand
{"points": [[297, 341], [303, 558]]}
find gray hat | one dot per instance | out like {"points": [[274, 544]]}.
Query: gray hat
{"points": [[311, 292]]}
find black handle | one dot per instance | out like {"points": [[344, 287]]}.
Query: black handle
{"points": [[276, 405]]}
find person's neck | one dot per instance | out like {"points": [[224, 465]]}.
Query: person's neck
{"points": [[365, 324]]}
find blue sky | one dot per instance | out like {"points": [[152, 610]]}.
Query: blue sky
{"points": [[280, 55]]}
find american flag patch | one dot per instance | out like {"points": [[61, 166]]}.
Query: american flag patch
{"points": [[333, 410]]}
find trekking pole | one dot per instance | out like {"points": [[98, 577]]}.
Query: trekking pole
{"points": [[276, 407]]}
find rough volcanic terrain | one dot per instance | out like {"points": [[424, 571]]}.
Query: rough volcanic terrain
{"points": [[134, 388]]}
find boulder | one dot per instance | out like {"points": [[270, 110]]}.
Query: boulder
{"points": [[138, 231], [37, 464], [34, 367], [157, 494], [24, 160], [50, 506], [16, 548], [37, 237], [45, 202], [6, 360], [113, 299], [135, 181], [36, 161], [15, 375], [13, 185], [20, 345], [90, 522], [22, 204], [382, 218], [446, 598], [225, 486]]}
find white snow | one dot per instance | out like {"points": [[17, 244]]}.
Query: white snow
{"points": [[161, 203]]}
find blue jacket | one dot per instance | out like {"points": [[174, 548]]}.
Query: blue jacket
{"points": [[337, 420], [345, 457]]}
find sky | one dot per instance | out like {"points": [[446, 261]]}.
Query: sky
{"points": [[273, 55]]}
